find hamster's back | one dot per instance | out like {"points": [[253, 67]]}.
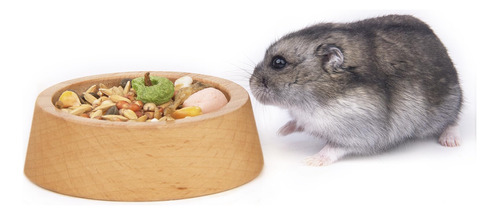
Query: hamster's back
{"points": [[422, 86], [393, 20]]}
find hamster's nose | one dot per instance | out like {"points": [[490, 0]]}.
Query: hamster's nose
{"points": [[264, 81]]}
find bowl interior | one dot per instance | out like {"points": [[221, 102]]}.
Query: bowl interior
{"points": [[231, 91], [81, 86]]}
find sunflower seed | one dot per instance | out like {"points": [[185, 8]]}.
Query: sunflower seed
{"points": [[126, 89]]}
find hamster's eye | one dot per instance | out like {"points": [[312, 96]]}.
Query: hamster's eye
{"points": [[278, 62]]}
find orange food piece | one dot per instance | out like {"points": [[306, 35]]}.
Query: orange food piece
{"points": [[187, 111]]}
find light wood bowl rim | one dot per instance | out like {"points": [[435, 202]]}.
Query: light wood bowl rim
{"points": [[46, 98]]}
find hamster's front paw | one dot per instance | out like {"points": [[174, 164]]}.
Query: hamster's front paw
{"points": [[289, 128], [450, 137], [326, 156]]}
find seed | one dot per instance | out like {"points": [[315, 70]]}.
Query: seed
{"points": [[66, 110], [107, 92], [81, 109], [92, 89], [105, 105], [102, 86], [166, 118], [157, 113], [117, 90], [130, 96], [139, 103], [89, 97], [149, 107], [129, 114], [59, 104], [113, 110], [69, 99], [143, 118], [150, 114], [181, 82], [126, 88], [124, 82], [97, 102], [135, 107], [106, 100], [95, 114], [95, 95], [122, 104], [117, 98], [114, 118]]}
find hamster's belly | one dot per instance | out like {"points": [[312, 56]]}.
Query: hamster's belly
{"points": [[369, 123], [346, 123]]}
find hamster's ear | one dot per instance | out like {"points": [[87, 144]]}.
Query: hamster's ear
{"points": [[332, 57]]}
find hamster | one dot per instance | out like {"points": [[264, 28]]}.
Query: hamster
{"points": [[363, 87]]}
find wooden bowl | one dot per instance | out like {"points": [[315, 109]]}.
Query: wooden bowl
{"points": [[149, 161]]}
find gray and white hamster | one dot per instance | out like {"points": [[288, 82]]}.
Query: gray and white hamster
{"points": [[364, 86]]}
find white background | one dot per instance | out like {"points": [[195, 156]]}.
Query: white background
{"points": [[45, 42]]}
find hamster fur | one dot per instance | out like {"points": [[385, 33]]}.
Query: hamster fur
{"points": [[364, 87]]}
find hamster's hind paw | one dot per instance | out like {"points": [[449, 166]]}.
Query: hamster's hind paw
{"points": [[450, 137], [326, 156], [318, 161]]}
